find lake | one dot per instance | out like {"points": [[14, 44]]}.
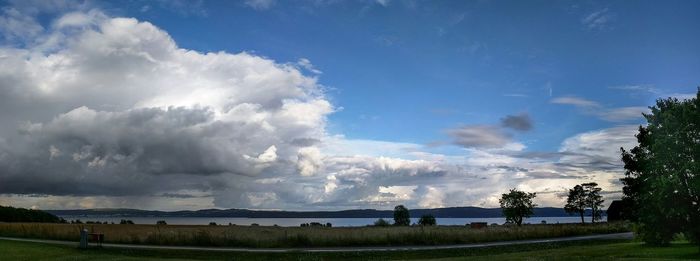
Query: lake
{"points": [[293, 222]]}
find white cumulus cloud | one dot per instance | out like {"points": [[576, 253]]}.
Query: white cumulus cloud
{"points": [[98, 111]]}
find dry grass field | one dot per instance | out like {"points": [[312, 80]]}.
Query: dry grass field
{"points": [[261, 236]]}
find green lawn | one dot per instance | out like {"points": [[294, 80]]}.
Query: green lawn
{"points": [[586, 250]]}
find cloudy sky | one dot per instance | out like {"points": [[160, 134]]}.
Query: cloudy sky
{"points": [[323, 105]]}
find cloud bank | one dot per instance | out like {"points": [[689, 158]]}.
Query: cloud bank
{"points": [[101, 111]]}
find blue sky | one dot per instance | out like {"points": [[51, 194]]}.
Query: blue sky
{"points": [[406, 70], [271, 104]]}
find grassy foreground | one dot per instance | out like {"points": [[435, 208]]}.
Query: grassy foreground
{"points": [[245, 236], [582, 250]]}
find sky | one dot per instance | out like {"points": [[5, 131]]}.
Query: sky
{"points": [[328, 105]]}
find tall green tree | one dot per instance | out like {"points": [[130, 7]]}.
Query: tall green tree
{"points": [[517, 205], [594, 200], [576, 202], [401, 216], [427, 220], [662, 177]]}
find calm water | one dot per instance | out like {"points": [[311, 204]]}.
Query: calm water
{"points": [[288, 222]]}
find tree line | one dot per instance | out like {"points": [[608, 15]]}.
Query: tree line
{"points": [[12, 214]]}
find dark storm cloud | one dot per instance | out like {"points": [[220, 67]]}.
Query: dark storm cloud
{"points": [[479, 136], [305, 142], [512, 168], [155, 141], [551, 175], [89, 152], [489, 136], [520, 122], [181, 195], [591, 163], [543, 155]]}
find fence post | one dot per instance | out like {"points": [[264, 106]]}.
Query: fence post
{"points": [[84, 238]]}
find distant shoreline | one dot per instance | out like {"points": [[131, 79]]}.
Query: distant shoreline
{"points": [[295, 222], [453, 212]]}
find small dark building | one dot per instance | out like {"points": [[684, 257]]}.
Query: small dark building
{"points": [[478, 225], [615, 211]]}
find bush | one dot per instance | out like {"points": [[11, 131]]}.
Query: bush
{"points": [[427, 220], [381, 223], [161, 222], [212, 223], [126, 222]]}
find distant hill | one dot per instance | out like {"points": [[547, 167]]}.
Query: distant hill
{"points": [[453, 212], [11, 214]]}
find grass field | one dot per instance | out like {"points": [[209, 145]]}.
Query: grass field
{"points": [[582, 250], [247, 236]]}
